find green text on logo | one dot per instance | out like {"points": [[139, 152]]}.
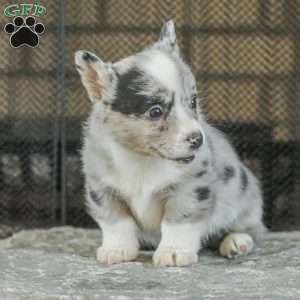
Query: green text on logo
{"points": [[24, 10]]}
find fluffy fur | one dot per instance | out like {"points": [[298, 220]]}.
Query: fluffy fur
{"points": [[156, 172]]}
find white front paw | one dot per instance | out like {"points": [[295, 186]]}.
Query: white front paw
{"points": [[115, 255], [236, 244], [169, 256]]}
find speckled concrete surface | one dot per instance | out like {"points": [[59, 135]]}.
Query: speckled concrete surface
{"points": [[60, 264]]}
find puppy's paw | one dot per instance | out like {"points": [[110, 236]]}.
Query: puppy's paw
{"points": [[169, 257], [114, 255], [236, 244]]}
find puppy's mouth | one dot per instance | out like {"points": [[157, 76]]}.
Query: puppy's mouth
{"points": [[183, 159]]}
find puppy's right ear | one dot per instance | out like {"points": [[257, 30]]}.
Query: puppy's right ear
{"points": [[95, 74]]}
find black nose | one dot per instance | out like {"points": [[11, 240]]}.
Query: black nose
{"points": [[195, 139]]}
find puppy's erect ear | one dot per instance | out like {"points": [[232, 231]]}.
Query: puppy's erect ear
{"points": [[168, 35], [96, 75]]}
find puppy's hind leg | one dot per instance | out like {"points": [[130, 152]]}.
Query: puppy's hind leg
{"points": [[236, 244], [248, 227], [241, 241]]}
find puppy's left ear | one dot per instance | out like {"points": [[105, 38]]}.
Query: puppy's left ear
{"points": [[168, 36]]}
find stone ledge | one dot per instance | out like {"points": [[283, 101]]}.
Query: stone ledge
{"points": [[59, 264]]}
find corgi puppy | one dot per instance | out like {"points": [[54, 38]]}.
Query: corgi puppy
{"points": [[156, 172]]}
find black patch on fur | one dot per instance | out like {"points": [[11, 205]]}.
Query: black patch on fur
{"points": [[201, 173], [244, 179], [88, 57], [96, 198], [128, 99], [228, 173], [203, 193]]}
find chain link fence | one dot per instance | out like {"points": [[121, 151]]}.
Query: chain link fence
{"points": [[246, 58]]}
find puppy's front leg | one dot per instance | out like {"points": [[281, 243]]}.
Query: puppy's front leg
{"points": [[119, 231], [119, 242], [182, 228], [179, 244]]}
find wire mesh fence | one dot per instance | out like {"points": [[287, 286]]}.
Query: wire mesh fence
{"points": [[245, 55]]}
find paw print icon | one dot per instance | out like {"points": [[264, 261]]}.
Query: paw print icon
{"points": [[24, 32]]}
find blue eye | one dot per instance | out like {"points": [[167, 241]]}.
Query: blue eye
{"points": [[155, 112]]}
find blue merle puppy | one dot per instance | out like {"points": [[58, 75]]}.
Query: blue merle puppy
{"points": [[156, 172]]}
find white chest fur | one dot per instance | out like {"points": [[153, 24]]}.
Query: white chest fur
{"points": [[138, 179]]}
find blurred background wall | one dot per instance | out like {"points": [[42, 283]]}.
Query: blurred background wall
{"points": [[245, 55]]}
